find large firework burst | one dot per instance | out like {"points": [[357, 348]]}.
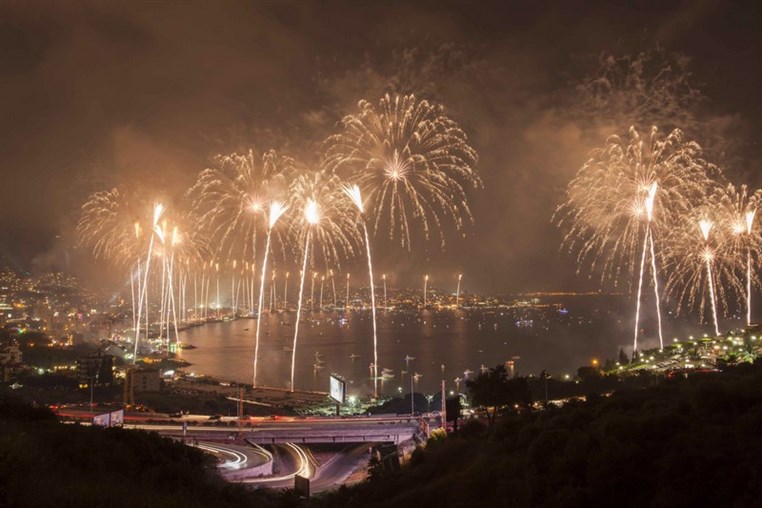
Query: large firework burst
{"points": [[414, 162], [625, 197], [231, 199], [114, 226], [607, 203]]}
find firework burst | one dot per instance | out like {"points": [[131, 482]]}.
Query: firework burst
{"points": [[114, 227], [627, 196], [735, 209], [413, 160], [703, 272], [336, 232], [231, 199]]}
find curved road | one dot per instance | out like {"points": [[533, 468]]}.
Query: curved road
{"points": [[334, 472], [298, 464]]}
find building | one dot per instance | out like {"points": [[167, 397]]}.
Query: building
{"points": [[10, 361], [95, 368], [143, 380], [9, 353]]}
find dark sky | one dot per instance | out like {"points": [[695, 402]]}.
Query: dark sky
{"points": [[107, 93]]}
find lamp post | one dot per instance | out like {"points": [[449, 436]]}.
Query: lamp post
{"points": [[444, 402], [413, 380], [408, 359]]}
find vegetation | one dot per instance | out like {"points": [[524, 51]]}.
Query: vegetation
{"points": [[46, 463], [691, 441], [495, 389]]}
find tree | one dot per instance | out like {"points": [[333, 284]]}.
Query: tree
{"points": [[623, 359], [494, 388]]}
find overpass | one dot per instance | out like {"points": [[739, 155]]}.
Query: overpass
{"points": [[306, 431], [396, 434]]}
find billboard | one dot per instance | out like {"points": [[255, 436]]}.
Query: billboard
{"points": [[338, 390], [102, 420], [117, 418], [112, 419]]}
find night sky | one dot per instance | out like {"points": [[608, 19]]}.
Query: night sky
{"points": [[96, 95]]}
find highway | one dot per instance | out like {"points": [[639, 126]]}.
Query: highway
{"points": [[235, 457], [295, 461], [335, 471], [328, 476], [288, 436]]}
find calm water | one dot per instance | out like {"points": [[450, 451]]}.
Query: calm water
{"points": [[559, 337]]}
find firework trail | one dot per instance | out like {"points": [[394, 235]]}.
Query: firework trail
{"points": [[385, 304], [706, 226], [425, 288], [346, 301], [285, 292], [649, 206], [158, 210], [219, 305], [174, 242], [311, 218], [273, 302], [328, 224], [355, 196], [312, 292], [414, 162], [629, 193], [735, 210], [277, 209], [457, 292]]}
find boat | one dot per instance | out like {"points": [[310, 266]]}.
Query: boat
{"points": [[186, 346]]}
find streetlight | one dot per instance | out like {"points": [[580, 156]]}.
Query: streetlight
{"points": [[408, 359], [413, 378], [444, 402]]}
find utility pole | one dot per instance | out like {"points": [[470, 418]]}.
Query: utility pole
{"points": [[444, 403]]}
